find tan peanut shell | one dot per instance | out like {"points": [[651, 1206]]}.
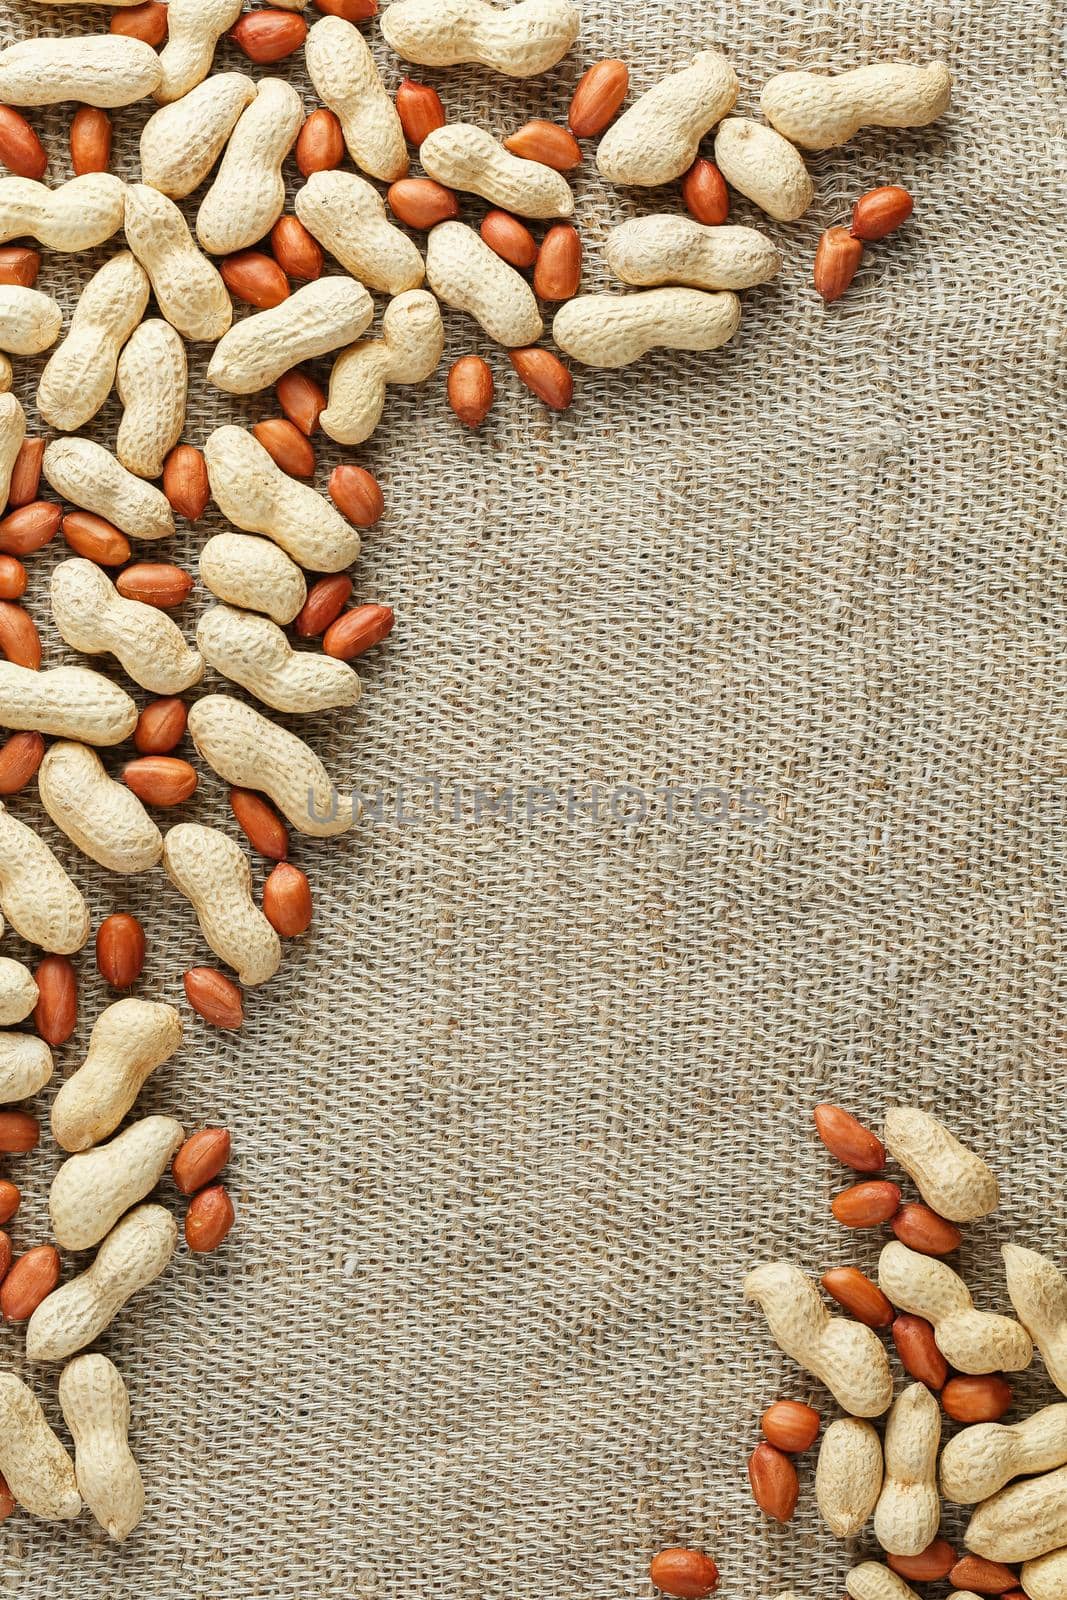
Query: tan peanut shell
{"points": [[193, 29], [253, 574], [665, 249], [971, 1341], [25, 1065], [188, 289], [107, 69], [908, 1513], [78, 215], [96, 1409], [464, 273], [848, 1476], [871, 1581], [93, 617], [846, 1356], [463, 156], [1038, 1291], [257, 496], [321, 316], [254, 652], [12, 434], [130, 1039], [1024, 1521], [764, 167], [69, 702], [80, 373], [610, 330], [36, 896], [213, 874], [132, 1256], [7, 372], [181, 142], [18, 993], [979, 1461], [347, 216], [38, 1470], [519, 40], [246, 748], [818, 111], [151, 379], [346, 80], [91, 1191], [103, 818], [410, 349], [952, 1180], [83, 472], [657, 139], [248, 194], [29, 320], [1045, 1578]]}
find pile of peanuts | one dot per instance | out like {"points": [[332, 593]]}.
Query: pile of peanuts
{"points": [[234, 133], [1014, 1474]]}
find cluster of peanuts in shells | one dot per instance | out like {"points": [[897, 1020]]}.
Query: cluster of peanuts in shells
{"points": [[956, 1356]]}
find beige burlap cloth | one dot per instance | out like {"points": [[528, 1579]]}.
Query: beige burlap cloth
{"points": [[510, 1125]]}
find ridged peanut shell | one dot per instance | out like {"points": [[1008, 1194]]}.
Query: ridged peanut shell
{"points": [[103, 818], [213, 874], [93, 1189], [669, 249], [246, 748], [132, 1256]]}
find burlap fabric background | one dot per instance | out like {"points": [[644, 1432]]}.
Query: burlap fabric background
{"points": [[513, 1122]]}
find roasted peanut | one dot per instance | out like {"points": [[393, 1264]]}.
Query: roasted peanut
{"points": [[848, 1477], [846, 1356], [687, 1574], [92, 1190], [953, 1181], [818, 111], [908, 1512], [253, 574], [132, 1256], [56, 1013], [866, 1205], [984, 1399], [130, 1039], [37, 1470], [972, 1341], [29, 1282], [103, 818], [346, 80], [160, 780], [521, 41], [96, 1409]]}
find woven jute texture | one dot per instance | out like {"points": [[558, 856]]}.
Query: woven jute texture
{"points": [[764, 651]]}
